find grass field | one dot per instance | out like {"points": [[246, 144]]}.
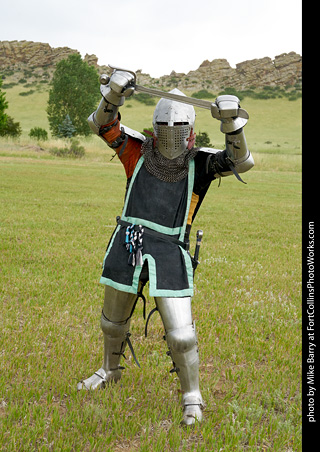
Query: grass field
{"points": [[56, 218]]}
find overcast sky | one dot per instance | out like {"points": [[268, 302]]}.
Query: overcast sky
{"points": [[158, 36]]}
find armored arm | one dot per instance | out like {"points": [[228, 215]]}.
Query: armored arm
{"points": [[232, 125], [114, 90]]}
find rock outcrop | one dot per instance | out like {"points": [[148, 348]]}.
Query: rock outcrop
{"points": [[15, 54], [284, 70]]}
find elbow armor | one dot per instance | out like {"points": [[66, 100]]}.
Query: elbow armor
{"points": [[105, 114], [236, 156], [238, 152]]}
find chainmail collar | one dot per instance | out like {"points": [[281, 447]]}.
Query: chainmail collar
{"points": [[167, 170]]}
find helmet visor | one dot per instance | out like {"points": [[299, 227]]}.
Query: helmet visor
{"points": [[172, 140]]}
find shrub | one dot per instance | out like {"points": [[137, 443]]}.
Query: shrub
{"points": [[145, 98], [233, 92], [27, 93], [8, 85], [203, 140], [203, 94], [10, 128], [38, 133], [74, 151]]}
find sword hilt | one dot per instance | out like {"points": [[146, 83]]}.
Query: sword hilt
{"points": [[198, 244]]}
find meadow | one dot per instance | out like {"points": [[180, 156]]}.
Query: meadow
{"points": [[56, 218]]}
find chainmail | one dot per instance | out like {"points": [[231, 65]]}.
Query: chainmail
{"points": [[163, 168]]}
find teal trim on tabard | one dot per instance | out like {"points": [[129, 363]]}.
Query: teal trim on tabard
{"points": [[151, 225], [136, 170], [190, 190], [187, 259], [153, 291], [155, 226], [118, 286], [133, 288], [146, 223]]}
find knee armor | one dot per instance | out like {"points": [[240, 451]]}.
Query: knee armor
{"points": [[182, 340]]}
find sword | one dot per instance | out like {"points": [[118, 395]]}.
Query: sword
{"points": [[213, 107], [197, 249]]}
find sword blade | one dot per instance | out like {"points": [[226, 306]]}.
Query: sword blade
{"points": [[215, 112], [183, 99]]}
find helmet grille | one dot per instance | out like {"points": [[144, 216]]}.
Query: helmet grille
{"points": [[172, 138]]}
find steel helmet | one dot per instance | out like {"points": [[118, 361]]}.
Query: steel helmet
{"points": [[173, 123]]}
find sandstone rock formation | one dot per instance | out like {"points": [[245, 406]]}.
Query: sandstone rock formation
{"points": [[284, 70], [13, 54]]}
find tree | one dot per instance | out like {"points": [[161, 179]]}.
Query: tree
{"points": [[203, 140], [66, 129], [7, 125], [10, 128], [74, 92], [3, 106]]}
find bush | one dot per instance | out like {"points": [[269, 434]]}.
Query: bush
{"points": [[203, 140], [203, 94], [233, 92], [145, 98], [9, 85], [38, 133], [26, 93], [74, 151], [10, 128]]}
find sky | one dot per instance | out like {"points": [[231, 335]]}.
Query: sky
{"points": [[161, 36]]}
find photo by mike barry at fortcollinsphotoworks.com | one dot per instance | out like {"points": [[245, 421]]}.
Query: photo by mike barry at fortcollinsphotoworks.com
{"points": [[309, 383]]}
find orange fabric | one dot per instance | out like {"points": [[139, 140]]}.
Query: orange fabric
{"points": [[113, 133], [130, 155], [193, 205], [132, 151]]}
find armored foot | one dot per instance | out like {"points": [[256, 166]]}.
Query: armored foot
{"points": [[191, 414], [99, 380]]}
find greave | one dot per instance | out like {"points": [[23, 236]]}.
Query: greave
{"points": [[183, 349], [115, 335], [115, 340]]}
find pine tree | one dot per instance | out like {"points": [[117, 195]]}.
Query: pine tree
{"points": [[66, 129]]}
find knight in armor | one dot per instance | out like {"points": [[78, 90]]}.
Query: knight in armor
{"points": [[167, 180]]}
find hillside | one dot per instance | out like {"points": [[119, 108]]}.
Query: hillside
{"points": [[30, 59]]}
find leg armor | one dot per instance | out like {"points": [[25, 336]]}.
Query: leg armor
{"points": [[115, 322], [183, 349]]}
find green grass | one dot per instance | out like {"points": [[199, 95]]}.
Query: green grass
{"points": [[56, 218]]}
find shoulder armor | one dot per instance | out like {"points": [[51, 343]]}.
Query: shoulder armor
{"points": [[133, 133]]}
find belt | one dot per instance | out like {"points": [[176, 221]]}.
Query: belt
{"points": [[154, 233]]}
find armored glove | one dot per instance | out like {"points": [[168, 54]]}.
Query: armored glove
{"points": [[116, 88], [227, 109]]}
